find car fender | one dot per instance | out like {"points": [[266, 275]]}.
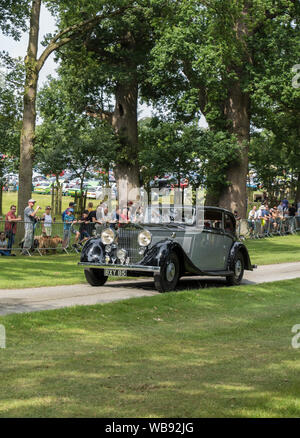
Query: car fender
{"points": [[239, 247], [93, 251]]}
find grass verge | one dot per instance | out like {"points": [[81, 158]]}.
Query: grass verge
{"points": [[278, 249], [223, 352]]}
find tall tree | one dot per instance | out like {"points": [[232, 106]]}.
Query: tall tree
{"points": [[209, 59], [33, 66], [106, 76]]}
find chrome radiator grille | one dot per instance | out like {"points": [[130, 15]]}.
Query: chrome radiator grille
{"points": [[128, 240]]}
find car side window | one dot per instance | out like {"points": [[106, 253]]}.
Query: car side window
{"points": [[213, 220], [229, 224]]}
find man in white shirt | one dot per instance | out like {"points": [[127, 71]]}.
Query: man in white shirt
{"points": [[251, 219], [252, 213]]}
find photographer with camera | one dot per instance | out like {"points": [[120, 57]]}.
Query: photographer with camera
{"points": [[30, 219]]}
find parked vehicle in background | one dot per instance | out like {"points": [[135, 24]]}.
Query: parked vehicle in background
{"points": [[77, 189], [44, 188], [94, 192]]}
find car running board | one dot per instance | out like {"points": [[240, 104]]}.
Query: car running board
{"points": [[218, 273]]}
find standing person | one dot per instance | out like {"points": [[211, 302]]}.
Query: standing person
{"points": [[68, 222], [11, 225], [285, 203], [85, 227], [116, 215], [251, 219], [292, 210], [29, 220], [252, 213], [236, 215], [90, 207], [47, 222], [280, 207], [71, 205], [92, 219]]}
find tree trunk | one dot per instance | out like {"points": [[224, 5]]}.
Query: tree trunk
{"points": [[297, 196], [236, 112], [124, 123], [52, 198], [81, 197], [1, 198], [60, 200], [212, 196], [234, 196], [29, 111]]}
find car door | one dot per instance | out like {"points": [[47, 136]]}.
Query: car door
{"points": [[228, 237], [207, 251]]}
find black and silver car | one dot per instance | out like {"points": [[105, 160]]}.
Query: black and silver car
{"points": [[168, 246]]}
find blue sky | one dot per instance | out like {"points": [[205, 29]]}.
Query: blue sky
{"points": [[18, 48]]}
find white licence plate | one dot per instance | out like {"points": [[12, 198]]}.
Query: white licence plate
{"points": [[115, 273]]}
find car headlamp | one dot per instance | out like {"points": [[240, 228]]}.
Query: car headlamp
{"points": [[144, 238], [107, 236]]}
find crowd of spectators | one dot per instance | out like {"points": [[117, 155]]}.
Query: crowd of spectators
{"points": [[93, 218], [272, 218]]}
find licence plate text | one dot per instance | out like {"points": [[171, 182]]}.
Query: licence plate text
{"points": [[115, 273]]}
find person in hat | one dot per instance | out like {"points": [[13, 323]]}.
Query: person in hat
{"points": [[72, 206], [29, 221]]}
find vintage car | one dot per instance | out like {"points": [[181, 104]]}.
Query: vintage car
{"points": [[168, 248]]}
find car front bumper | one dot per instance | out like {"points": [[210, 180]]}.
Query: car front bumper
{"points": [[139, 268]]}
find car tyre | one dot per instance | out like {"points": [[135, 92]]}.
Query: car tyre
{"points": [[169, 275], [95, 277], [238, 268]]}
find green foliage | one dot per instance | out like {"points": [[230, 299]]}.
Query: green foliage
{"points": [[199, 55], [67, 139], [276, 160], [206, 51], [13, 15], [186, 151], [10, 117], [117, 51]]}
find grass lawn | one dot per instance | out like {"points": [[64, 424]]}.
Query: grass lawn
{"points": [[10, 198], [220, 352], [21, 272], [274, 249]]}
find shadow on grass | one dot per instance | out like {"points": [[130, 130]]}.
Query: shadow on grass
{"points": [[210, 353]]}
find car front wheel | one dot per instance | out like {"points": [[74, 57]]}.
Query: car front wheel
{"points": [[95, 277], [238, 269], [168, 278]]}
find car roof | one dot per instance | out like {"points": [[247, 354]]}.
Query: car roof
{"points": [[218, 208], [206, 207]]}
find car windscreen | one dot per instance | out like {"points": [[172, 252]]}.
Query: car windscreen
{"points": [[155, 214]]}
